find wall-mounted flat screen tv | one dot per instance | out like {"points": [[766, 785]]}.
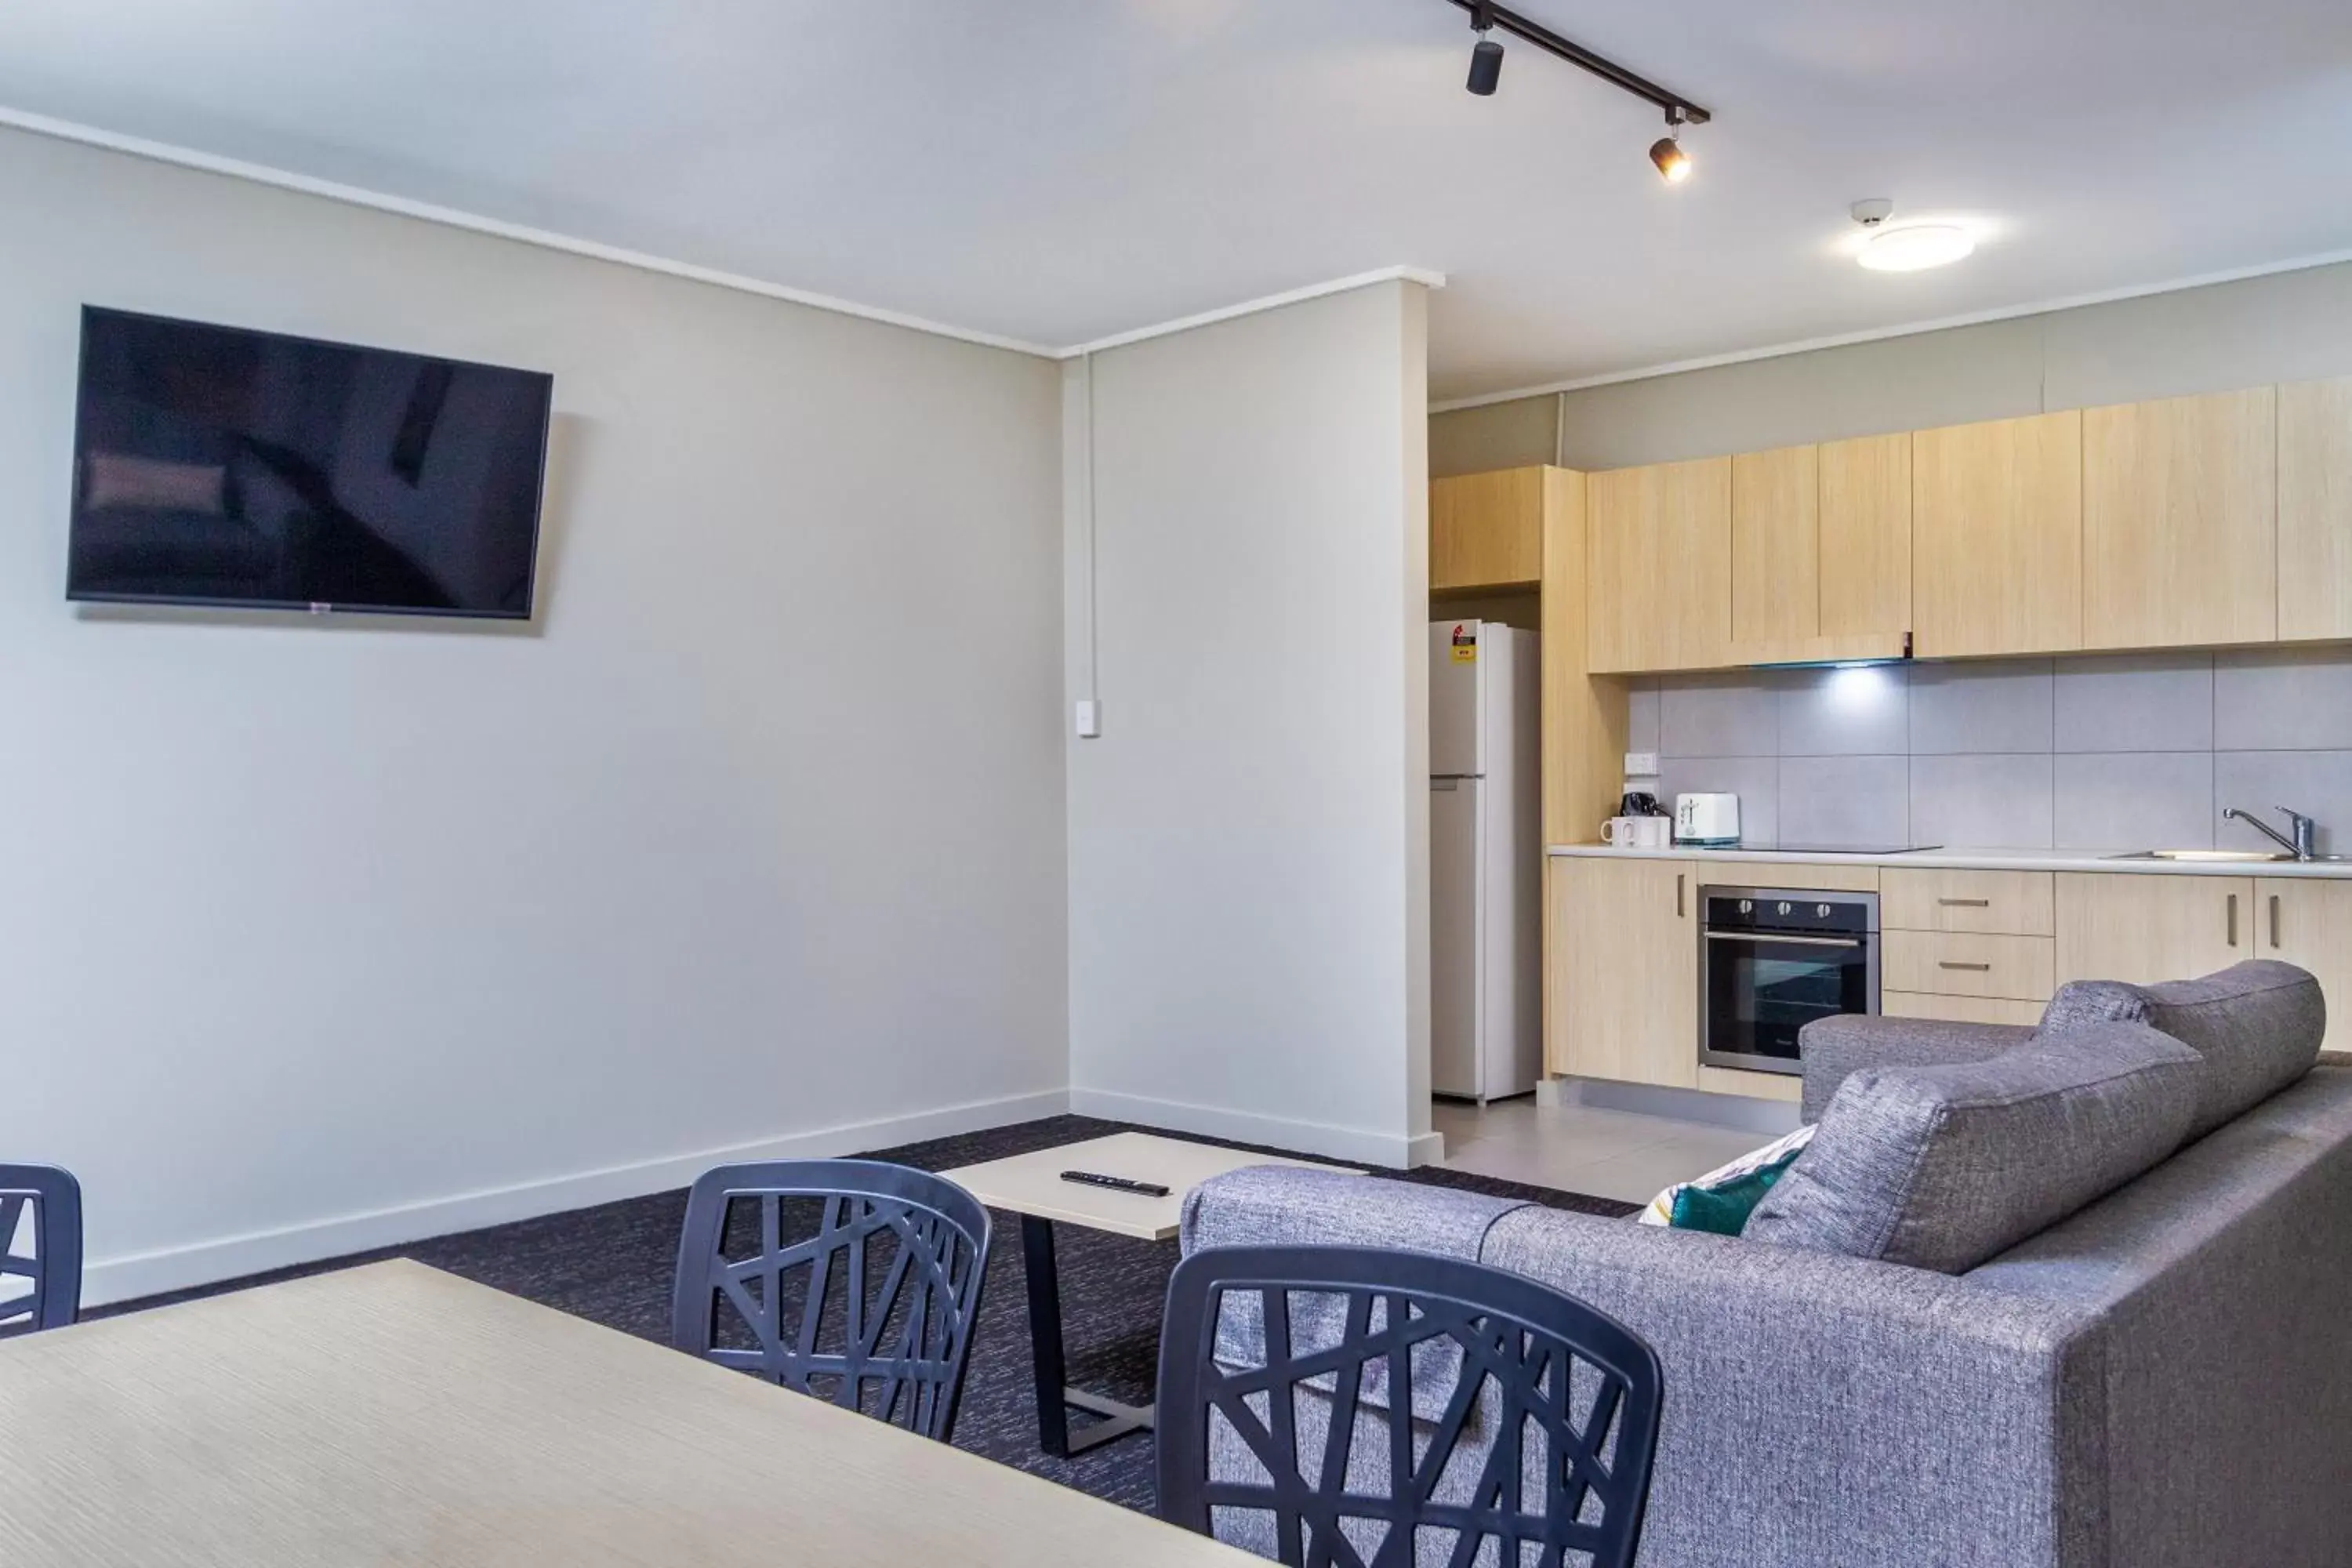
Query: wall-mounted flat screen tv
{"points": [[214, 465]]}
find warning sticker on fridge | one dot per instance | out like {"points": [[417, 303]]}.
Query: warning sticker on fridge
{"points": [[1465, 646]]}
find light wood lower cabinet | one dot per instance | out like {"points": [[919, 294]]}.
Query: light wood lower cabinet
{"points": [[1967, 963], [1624, 971], [1959, 1009], [2307, 921], [2145, 927], [2013, 903]]}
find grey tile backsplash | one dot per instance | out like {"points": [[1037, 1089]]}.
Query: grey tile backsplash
{"points": [[2129, 752]]}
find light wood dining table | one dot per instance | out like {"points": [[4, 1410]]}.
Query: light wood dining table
{"points": [[396, 1414]]}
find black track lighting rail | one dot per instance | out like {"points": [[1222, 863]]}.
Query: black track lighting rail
{"points": [[1679, 110]]}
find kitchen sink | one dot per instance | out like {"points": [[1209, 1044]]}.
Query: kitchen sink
{"points": [[2217, 857]]}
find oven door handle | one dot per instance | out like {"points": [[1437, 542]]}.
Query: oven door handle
{"points": [[1776, 936]]}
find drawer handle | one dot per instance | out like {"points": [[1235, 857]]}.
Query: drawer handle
{"points": [[2274, 920], [1947, 964], [2233, 919], [1966, 903]]}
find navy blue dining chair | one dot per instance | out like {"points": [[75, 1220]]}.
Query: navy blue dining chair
{"points": [[1318, 1399], [51, 1200], [849, 1279]]}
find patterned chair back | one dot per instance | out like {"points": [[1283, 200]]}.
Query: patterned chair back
{"points": [[848, 1279], [1354, 1407], [40, 1248]]}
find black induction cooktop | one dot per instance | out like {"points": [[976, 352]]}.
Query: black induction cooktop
{"points": [[1854, 849]]}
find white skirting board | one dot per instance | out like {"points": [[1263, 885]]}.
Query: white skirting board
{"points": [[232, 1256], [1357, 1144]]}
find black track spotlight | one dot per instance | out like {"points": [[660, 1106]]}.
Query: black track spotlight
{"points": [[1674, 164], [1485, 66], [1491, 16], [1486, 56]]}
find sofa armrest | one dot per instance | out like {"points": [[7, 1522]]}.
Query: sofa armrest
{"points": [[1823, 1409], [1832, 1048]]}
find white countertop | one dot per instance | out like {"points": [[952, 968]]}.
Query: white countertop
{"points": [[1995, 859]]}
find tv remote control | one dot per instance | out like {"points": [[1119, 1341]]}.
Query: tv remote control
{"points": [[1118, 1183]]}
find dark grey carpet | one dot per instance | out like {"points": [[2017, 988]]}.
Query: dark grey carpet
{"points": [[613, 1265]]}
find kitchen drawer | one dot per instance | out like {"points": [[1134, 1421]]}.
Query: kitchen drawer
{"points": [[2008, 903], [1959, 1009], [1968, 963]]}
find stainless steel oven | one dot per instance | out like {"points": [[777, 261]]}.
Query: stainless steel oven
{"points": [[1773, 960]]}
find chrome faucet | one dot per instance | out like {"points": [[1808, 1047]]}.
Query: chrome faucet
{"points": [[2301, 845]]}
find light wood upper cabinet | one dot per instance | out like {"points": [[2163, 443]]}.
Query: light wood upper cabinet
{"points": [[2308, 922], [1997, 537], [1659, 551], [2315, 515], [1485, 531], [2144, 928], [1623, 972], [1820, 552], [2180, 521], [1865, 535], [1776, 545]]}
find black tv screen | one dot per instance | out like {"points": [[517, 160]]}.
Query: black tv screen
{"points": [[214, 466]]}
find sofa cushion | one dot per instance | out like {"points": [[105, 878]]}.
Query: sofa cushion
{"points": [[2258, 1025], [1943, 1167], [1836, 1047], [1722, 1200], [2081, 1002]]}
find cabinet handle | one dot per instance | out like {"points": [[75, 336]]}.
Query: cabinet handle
{"points": [[2274, 920], [1679, 879], [2233, 919], [1947, 964], [1966, 903]]}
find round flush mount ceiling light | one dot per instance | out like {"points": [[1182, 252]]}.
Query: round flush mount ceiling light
{"points": [[1917, 246], [1911, 248]]}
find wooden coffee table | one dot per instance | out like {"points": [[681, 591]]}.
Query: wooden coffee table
{"points": [[1031, 1185]]}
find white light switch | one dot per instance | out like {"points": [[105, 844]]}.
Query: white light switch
{"points": [[1089, 718], [1642, 764]]}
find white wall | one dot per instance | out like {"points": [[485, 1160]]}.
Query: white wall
{"points": [[1249, 835], [2291, 326], [315, 936]]}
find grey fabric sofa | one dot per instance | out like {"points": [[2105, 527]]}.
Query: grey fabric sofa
{"points": [[2162, 1377]]}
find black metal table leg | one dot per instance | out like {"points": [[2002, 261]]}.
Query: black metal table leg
{"points": [[1046, 1334], [1055, 1398]]}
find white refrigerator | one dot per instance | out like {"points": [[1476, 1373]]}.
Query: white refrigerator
{"points": [[1485, 861]]}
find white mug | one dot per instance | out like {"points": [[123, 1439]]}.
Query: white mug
{"points": [[1651, 832], [1620, 831]]}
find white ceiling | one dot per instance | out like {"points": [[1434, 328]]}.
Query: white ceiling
{"points": [[1057, 171]]}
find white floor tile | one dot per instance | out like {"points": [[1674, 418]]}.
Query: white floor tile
{"points": [[1638, 1177], [1606, 1153]]}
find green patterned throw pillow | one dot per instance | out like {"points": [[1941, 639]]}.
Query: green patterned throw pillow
{"points": [[1722, 1200]]}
